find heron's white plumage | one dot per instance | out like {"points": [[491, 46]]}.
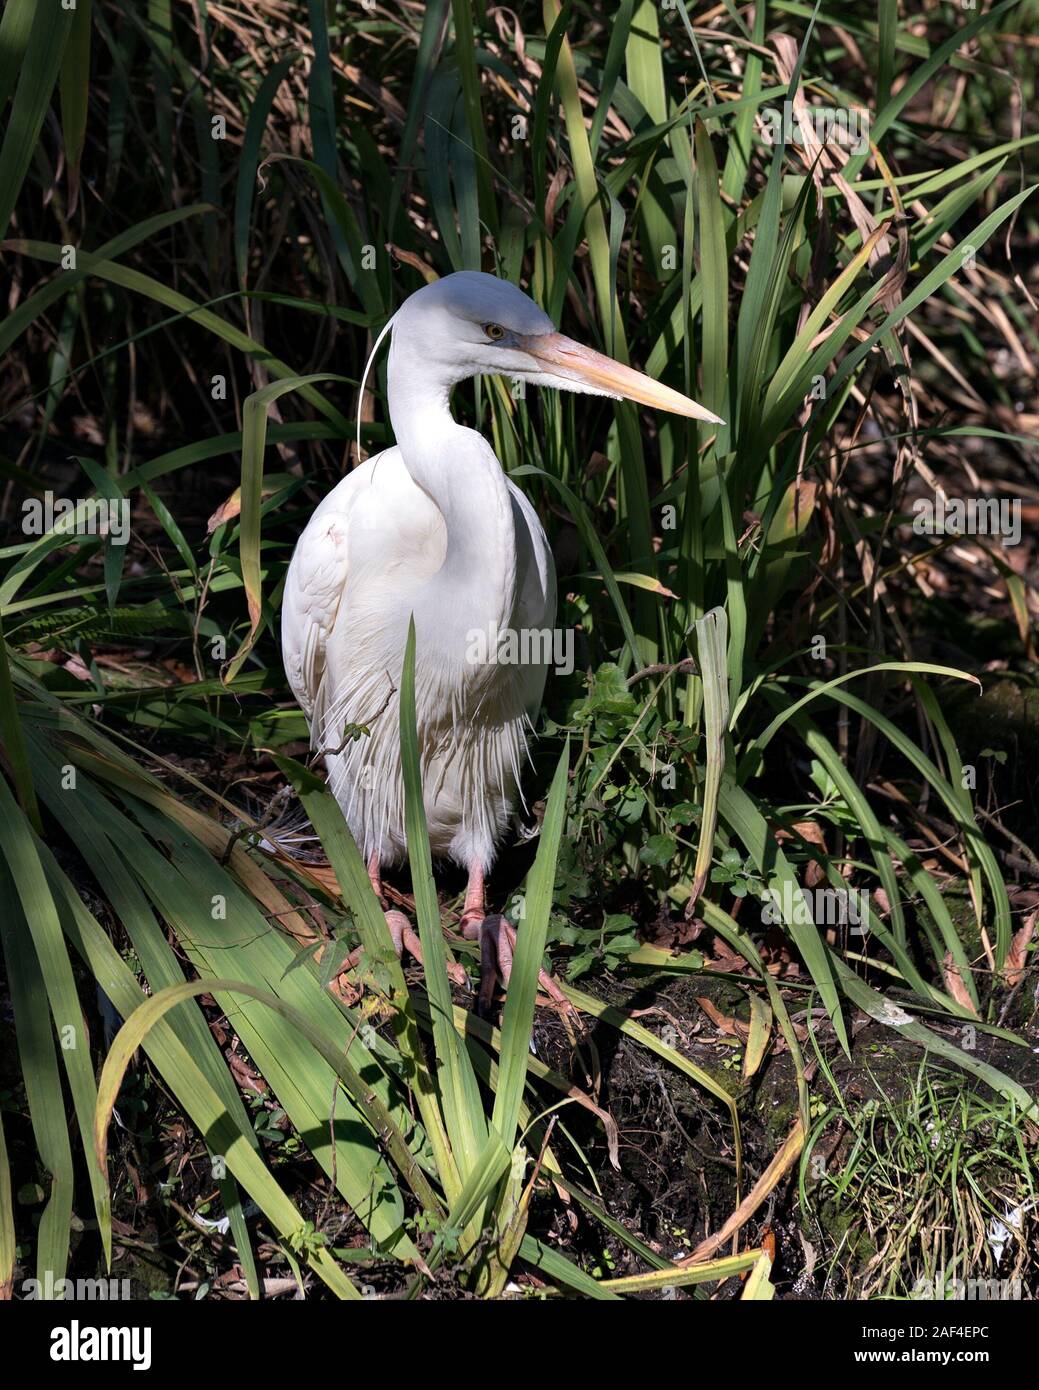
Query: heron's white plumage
{"points": [[375, 551], [432, 528]]}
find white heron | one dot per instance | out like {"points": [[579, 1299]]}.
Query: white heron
{"points": [[433, 528]]}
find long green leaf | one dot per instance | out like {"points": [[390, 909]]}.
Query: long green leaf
{"points": [[463, 1109], [531, 935], [38, 72]]}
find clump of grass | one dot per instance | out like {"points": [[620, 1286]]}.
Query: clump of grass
{"points": [[925, 1190]]}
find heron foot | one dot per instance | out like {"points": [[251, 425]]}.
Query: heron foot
{"points": [[402, 933], [497, 938], [405, 938]]}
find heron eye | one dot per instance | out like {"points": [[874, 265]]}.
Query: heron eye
{"points": [[494, 331]]}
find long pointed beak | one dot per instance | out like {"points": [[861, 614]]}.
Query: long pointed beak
{"points": [[561, 356]]}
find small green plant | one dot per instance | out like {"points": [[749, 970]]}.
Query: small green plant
{"points": [[737, 874], [606, 947]]}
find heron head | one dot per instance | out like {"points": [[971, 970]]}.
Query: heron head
{"points": [[471, 324]]}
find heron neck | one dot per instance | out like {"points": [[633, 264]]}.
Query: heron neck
{"points": [[418, 394], [459, 471]]}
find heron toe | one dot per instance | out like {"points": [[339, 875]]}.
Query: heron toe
{"points": [[405, 938], [497, 939]]}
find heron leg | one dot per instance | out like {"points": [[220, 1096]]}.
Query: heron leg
{"points": [[375, 878], [497, 938], [402, 933]]}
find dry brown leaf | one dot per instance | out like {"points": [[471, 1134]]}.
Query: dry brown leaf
{"points": [[770, 1179], [248, 1079], [813, 833], [1014, 966], [227, 511], [954, 983], [732, 1026], [416, 262]]}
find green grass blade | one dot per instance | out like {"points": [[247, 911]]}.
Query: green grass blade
{"points": [[16, 322], [712, 646], [75, 93], [463, 1108], [38, 71], [893, 108], [892, 1016], [759, 1286], [714, 272], [254, 443], [563, 1271], [887, 23], [249, 158], [763, 739], [931, 282], [742, 815], [42, 1081], [531, 935], [8, 1243], [352, 876], [15, 28], [177, 1066], [13, 740], [41, 918], [135, 1027]]}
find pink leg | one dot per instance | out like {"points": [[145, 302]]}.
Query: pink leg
{"points": [[497, 938], [474, 909]]}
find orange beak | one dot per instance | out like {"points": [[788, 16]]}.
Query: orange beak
{"points": [[561, 356]]}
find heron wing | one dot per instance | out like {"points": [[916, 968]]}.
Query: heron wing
{"points": [[314, 591], [535, 604]]}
